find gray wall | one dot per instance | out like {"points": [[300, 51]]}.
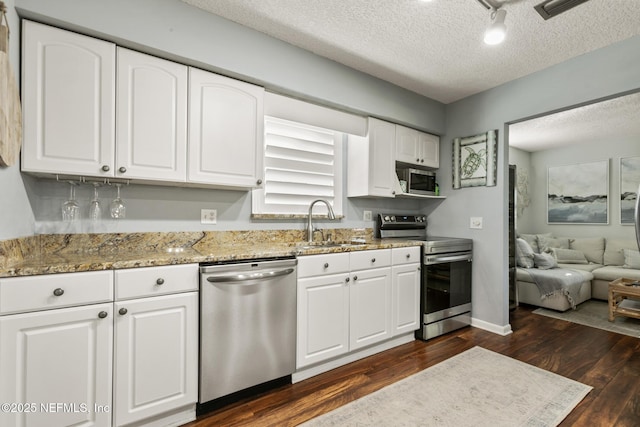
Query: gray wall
{"points": [[599, 74], [581, 153], [174, 30]]}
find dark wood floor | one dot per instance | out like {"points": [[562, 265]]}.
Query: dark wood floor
{"points": [[608, 362]]}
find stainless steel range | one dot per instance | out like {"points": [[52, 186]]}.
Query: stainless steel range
{"points": [[445, 296]]}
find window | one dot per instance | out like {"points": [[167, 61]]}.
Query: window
{"points": [[302, 163]]}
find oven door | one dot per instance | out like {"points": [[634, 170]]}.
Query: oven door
{"points": [[446, 286]]}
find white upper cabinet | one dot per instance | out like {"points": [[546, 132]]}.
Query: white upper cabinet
{"points": [[68, 92], [371, 169], [417, 148], [151, 118], [226, 125]]}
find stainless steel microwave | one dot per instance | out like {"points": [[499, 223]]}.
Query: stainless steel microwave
{"points": [[418, 181]]}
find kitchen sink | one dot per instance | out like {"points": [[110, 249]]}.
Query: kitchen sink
{"points": [[319, 245]]}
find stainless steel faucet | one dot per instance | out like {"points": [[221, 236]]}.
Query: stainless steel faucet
{"points": [[309, 222]]}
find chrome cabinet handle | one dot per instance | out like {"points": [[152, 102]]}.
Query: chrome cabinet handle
{"points": [[249, 276], [160, 281], [58, 292], [106, 168], [122, 311], [122, 169], [103, 314]]}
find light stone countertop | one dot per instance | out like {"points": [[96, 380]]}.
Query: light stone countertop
{"points": [[76, 253]]}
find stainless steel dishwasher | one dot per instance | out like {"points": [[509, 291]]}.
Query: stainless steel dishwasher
{"points": [[247, 325]]}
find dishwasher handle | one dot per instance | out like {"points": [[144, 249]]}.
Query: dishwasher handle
{"points": [[241, 277]]}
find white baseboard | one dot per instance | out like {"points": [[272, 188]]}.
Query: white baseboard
{"points": [[491, 327], [308, 372]]}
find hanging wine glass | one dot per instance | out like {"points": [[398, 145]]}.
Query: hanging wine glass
{"points": [[117, 207], [70, 208], [95, 210]]}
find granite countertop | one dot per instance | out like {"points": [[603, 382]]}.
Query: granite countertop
{"points": [[70, 254]]}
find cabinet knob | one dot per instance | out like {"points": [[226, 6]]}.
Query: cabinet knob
{"points": [[347, 280], [259, 182], [421, 160], [160, 281], [355, 278], [326, 265], [408, 256], [58, 292], [106, 168], [122, 169], [393, 192], [417, 160], [103, 314], [122, 311], [373, 260]]}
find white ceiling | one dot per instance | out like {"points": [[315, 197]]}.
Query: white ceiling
{"points": [[435, 48]]}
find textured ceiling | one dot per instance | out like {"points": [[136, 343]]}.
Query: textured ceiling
{"points": [[435, 48], [617, 118]]}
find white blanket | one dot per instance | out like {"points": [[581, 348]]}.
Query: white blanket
{"points": [[559, 280]]}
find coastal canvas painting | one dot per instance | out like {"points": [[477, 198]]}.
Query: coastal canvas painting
{"points": [[629, 182], [578, 194]]}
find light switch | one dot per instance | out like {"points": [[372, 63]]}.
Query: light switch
{"points": [[475, 222]]}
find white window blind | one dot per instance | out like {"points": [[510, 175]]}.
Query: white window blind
{"points": [[302, 163]]}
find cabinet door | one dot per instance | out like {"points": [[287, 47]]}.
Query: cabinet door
{"points": [[429, 150], [369, 307], [68, 93], [156, 356], [407, 145], [323, 318], [406, 298], [382, 173], [226, 123], [59, 360], [152, 118]]}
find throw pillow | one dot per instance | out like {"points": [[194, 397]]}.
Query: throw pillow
{"points": [[532, 240], [631, 259], [546, 243], [568, 256], [544, 261], [524, 254], [591, 247]]}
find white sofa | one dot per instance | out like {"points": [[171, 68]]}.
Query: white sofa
{"points": [[604, 261]]}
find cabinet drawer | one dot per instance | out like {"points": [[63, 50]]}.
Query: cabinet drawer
{"points": [[20, 294], [405, 255], [316, 265], [363, 260], [149, 281]]}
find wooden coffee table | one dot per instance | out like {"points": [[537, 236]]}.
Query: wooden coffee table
{"points": [[624, 298]]}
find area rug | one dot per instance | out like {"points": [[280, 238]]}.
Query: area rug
{"points": [[475, 388], [595, 313]]}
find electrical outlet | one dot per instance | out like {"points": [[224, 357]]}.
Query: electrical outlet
{"points": [[475, 222], [208, 216], [367, 216]]}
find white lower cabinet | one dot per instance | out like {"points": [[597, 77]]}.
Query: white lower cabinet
{"points": [[129, 362], [405, 284], [55, 367], [344, 303], [156, 358]]}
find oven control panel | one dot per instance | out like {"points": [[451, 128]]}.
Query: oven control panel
{"points": [[402, 219]]}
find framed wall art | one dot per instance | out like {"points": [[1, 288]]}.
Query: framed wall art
{"points": [[475, 160], [578, 194], [629, 182]]}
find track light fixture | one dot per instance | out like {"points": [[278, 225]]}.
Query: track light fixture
{"points": [[497, 31]]}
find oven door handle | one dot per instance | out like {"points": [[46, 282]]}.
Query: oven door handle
{"points": [[439, 259]]}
